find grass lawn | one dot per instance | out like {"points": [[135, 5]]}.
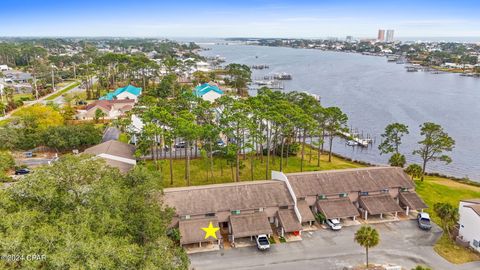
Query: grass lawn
{"points": [[63, 91], [222, 172], [436, 189], [23, 96], [17, 97]]}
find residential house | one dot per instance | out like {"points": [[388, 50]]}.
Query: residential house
{"points": [[111, 108], [469, 222], [244, 209], [351, 192], [116, 154], [127, 92], [208, 91], [202, 66]]}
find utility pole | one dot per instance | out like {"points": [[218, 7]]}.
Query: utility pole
{"points": [[35, 86], [1, 95], [53, 78]]}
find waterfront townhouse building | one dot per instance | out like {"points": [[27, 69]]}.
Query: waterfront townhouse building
{"points": [[240, 210], [469, 222], [348, 193]]}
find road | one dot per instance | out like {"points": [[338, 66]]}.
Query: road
{"points": [[60, 99], [401, 243], [33, 162], [30, 103], [111, 133]]}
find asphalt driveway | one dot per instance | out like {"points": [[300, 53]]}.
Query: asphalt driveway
{"points": [[401, 243]]}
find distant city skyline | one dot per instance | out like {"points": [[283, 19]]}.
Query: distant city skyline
{"points": [[249, 18]]}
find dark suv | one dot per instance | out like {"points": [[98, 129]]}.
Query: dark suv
{"points": [[22, 171]]}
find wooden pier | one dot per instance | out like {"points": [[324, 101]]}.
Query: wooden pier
{"points": [[357, 138]]}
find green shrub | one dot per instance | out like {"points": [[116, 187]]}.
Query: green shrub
{"points": [[271, 240], [124, 137], [5, 178], [6, 161], [320, 217], [174, 234]]}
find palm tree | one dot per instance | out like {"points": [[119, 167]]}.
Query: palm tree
{"points": [[414, 170], [419, 267], [367, 237], [448, 215]]}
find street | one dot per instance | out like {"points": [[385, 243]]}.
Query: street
{"points": [[401, 243], [111, 133]]}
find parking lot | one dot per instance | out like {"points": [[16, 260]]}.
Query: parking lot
{"points": [[401, 243]]}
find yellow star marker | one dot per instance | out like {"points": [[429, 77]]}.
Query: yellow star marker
{"points": [[210, 231]]}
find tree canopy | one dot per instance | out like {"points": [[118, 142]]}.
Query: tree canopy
{"points": [[82, 214], [39, 117], [434, 144]]}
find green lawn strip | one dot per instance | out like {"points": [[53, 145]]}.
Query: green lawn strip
{"points": [[63, 91], [436, 189], [199, 167]]}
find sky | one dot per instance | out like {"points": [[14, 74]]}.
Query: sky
{"points": [[247, 18]]}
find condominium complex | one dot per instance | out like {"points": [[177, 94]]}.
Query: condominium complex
{"points": [[390, 34], [381, 35]]}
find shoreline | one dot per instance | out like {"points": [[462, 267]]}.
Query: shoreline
{"points": [[435, 174], [440, 171], [432, 68]]}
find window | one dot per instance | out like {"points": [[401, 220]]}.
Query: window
{"points": [[185, 217], [322, 197], [476, 243], [210, 214], [235, 212], [301, 199], [404, 189], [259, 210], [385, 190], [343, 195], [364, 193], [284, 207]]}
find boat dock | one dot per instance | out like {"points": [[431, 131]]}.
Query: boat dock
{"points": [[355, 139], [272, 84], [260, 66]]}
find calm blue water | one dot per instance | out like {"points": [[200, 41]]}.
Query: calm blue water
{"points": [[375, 93]]}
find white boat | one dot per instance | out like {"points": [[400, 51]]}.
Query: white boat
{"points": [[263, 82], [352, 143]]}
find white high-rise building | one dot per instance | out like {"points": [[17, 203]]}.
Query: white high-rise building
{"points": [[390, 35]]}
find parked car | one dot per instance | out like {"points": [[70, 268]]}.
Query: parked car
{"points": [[220, 143], [334, 224], [424, 222], [262, 242], [181, 145], [22, 171]]}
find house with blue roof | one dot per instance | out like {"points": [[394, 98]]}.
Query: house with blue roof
{"points": [[127, 92], [209, 92]]}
